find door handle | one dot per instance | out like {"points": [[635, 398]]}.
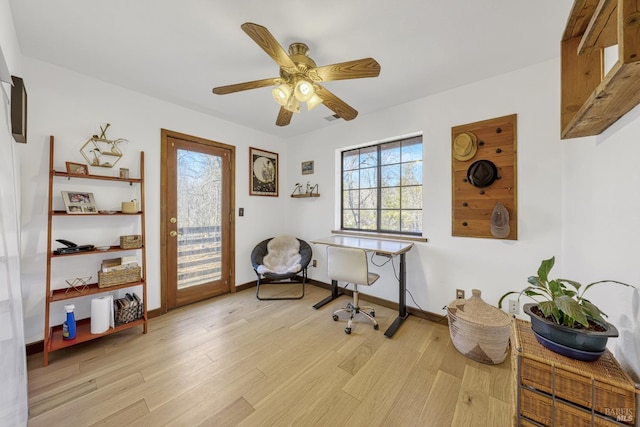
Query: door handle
{"points": [[173, 233], [173, 220]]}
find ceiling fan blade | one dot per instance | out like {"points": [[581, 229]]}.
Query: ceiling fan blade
{"points": [[357, 69], [238, 87], [284, 117], [268, 43], [335, 104]]}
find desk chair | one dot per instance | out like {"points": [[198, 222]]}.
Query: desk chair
{"points": [[351, 265]]}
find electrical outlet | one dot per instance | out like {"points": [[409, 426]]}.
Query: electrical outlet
{"points": [[514, 307], [314, 263], [459, 293]]}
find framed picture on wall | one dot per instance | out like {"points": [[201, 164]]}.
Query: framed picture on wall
{"points": [[77, 169], [263, 173], [18, 110], [307, 168]]}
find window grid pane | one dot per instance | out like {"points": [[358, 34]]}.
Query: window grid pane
{"points": [[382, 187]]}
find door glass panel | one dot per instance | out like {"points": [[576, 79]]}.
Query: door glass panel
{"points": [[199, 200]]}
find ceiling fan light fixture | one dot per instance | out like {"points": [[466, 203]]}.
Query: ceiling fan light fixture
{"points": [[292, 105], [281, 94], [313, 102], [303, 90]]}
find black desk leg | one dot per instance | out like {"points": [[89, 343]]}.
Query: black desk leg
{"points": [[334, 294], [402, 299]]}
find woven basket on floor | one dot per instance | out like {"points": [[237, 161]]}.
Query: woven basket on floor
{"points": [[479, 330]]}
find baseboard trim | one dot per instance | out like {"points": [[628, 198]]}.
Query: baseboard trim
{"points": [[433, 317]]}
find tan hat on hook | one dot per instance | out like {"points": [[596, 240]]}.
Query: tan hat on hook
{"points": [[464, 146]]}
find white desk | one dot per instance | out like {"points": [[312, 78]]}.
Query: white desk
{"points": [[387, 247]]}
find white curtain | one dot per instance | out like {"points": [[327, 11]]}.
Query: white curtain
{"points": [[13, 366]]}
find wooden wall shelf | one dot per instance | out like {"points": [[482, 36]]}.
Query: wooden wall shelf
{"points": [[591, 101], [300, 196]]}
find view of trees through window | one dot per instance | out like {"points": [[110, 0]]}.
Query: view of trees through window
{"points": [[199, 218], [382, 187]]}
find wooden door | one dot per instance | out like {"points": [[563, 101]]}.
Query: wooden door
{"points": [[197, 222]]}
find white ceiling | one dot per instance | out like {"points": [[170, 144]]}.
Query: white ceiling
{"points": [[178, 50]]}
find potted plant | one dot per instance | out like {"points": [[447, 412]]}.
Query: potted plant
{"points": [[562, 319]]}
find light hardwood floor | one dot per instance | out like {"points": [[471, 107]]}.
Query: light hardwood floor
{"points": [[237, 361]]}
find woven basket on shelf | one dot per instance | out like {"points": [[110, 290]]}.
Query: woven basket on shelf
{"points": [[479, 330], [132, 241], [119, 277]]}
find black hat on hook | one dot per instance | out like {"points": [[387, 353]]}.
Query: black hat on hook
{"points": [[482, 173]]}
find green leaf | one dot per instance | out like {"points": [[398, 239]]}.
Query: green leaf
{"points": [[535, 281], [547, 307], [573, 283], [571, 309], [545, 268], [555, 288], [534, 293], [603, 281], [592, 311], [504, 296]]}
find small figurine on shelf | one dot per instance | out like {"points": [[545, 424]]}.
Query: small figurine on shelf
{"points": [[297, 189]]}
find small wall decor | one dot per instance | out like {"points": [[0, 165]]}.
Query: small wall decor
{"points": [[77, 168], [311, 191], [18, 110], [483, 169], [307, 168], [102, 152], [263, 173], [79, 202], [124, 173]]}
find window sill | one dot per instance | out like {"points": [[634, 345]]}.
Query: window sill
{"points": [[381, 236]]}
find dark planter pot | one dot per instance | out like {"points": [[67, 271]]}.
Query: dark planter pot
{"points": [[575, 343]]}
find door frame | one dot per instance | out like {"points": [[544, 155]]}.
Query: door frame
{"points": [[164, 217]]}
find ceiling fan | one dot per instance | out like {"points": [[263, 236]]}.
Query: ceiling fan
{"points": [[300, 78]]}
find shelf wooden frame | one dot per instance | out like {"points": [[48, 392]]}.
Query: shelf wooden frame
{"points": [[590, 100], [83, 333], [303, 195], [53, 333]]}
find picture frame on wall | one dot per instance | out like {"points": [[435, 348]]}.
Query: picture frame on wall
{"points": [[77, 168], [307, 168], [18, 110], [263, 172], [79, 202]]}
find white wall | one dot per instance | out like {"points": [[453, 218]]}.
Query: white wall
{"points": [[72, 107], [601, 227], [435, 269]]}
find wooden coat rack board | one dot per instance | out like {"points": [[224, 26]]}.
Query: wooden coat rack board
{"points": [[472, 206]]}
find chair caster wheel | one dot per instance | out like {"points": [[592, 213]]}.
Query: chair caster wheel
{"points": [[373, 314], [347, 331], [376, 327], [335, 317]]}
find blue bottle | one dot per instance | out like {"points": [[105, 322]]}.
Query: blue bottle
{"points": [[69, 326]]}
